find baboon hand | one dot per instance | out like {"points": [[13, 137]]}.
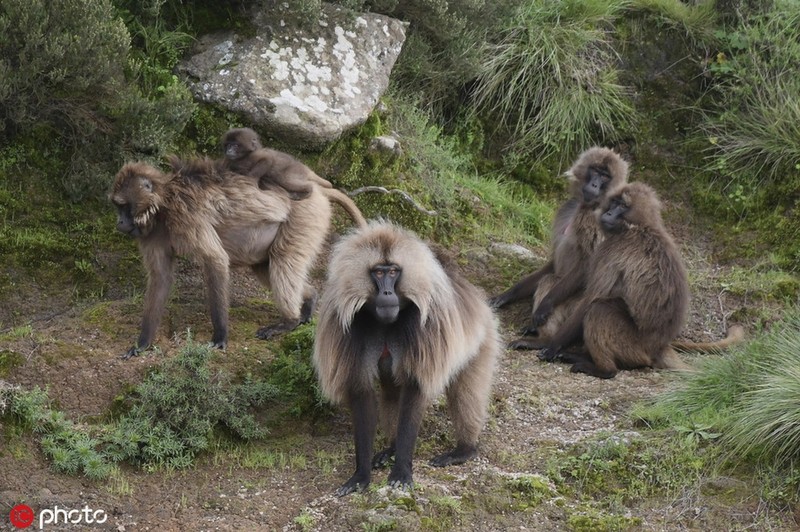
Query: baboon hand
{"points": [[357, 482], [498, 301], [548, 354], [541, 315]]}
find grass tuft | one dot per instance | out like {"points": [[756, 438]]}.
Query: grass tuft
{"points": [[550, 79]]}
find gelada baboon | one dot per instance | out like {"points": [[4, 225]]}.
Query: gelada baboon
{"points": [[221, 223], [559, 283], [637, 294], [245, 155], [392, 311]]}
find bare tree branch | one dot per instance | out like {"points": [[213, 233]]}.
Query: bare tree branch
{"points": [[384, 190]]}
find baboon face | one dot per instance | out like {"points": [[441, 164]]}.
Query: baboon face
{"points": [[239, 143], [612, 219], [136, 201], [595, 184], [386, 305], [635, 204]]}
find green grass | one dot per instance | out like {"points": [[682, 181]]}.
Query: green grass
{"points": [[696, 19], [550, 79], [749, 397]]}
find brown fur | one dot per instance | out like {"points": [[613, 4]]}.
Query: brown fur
{"points": [[221, 223], [346, 203], [734, 336], [445, 339], [245, 155], [557, 286], [637, 294]]}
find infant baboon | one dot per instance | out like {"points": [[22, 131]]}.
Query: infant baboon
{"points": [[245, 155]]}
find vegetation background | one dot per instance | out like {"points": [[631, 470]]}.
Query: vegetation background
{"points": [[491, 102]]}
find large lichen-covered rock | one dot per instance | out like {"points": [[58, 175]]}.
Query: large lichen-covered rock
{"points": [[305, 86]]}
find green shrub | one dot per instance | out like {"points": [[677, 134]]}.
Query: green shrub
{"points": [[173, 415], [292, 374], [440, 56], [752, 126], [58, 59], [177, 408]]}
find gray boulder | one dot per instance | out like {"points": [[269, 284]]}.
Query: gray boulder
{"points": [[304, 86]]}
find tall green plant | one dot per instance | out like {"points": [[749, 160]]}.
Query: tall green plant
{"points": [[550, 79], [755, 129]]}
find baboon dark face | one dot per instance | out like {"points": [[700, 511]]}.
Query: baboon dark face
{"points": [[387, 303], [136, 201], [612, 220], [597, 180], [239, 143]]}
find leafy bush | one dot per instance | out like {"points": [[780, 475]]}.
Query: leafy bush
{"points": [[178, 407], [440, 56], [58, 58], [292, 373], [173, 416], [752, 127], [63, 86], [755, 134], [550, 78]]}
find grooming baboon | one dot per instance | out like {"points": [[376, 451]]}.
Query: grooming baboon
{"points": [[245, 155], [393, 311], [637, 294], [221, 222], [559, 283]]}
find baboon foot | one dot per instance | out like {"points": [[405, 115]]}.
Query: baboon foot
{"points": [[269, 331], [219, 342], [589, 368], [401, 478], [130, 353], [459, 455]]}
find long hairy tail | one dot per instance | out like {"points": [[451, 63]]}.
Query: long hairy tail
{"points": [[347, 204], [735, 336]]}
